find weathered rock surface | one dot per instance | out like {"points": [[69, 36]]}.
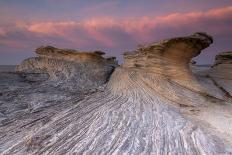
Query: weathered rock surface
{"points": [[169, 61], [221, 72], [68, 69], [152, 104], [223, 58]]}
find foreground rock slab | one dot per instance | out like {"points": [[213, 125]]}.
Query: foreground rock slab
{"points": [[152, 104]]}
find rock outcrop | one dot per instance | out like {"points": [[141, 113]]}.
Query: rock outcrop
{"points": [[221, 72], [223, 58], [167, 62], [152, 104], [68, 69]]}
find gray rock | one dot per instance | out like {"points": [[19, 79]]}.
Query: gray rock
{"points": [[67, 68]]}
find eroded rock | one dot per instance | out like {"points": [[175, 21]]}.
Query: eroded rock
{"points": [[68, 68], [221, 72], [223, 58], [167, 62], [152, 104]]}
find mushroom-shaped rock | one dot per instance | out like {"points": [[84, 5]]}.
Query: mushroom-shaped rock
{"points": [[166, 64], [67, 68]]}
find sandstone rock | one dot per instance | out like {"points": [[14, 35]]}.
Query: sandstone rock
{"points": [[221, 72], [69, 54], [223, 58], [68, 68], [152, 104], [168, 60], [99, 52]]}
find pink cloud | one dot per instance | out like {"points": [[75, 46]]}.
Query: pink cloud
{"points": [[2, 32], [113, 33], [220, 12], [57, 28]]}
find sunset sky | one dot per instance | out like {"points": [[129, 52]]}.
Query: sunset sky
{"points": [[114, 26]]}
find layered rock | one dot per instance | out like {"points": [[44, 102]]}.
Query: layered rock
{"points": [[167, 62], [68, 68], [221, 72], [153, 104], [223, 58]]}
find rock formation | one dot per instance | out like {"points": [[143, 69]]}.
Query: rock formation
{"points": [[68, 68], [223, 58], [152, 104], [221, 72], [167, 62]]}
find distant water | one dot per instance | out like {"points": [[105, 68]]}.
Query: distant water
{"points": [[204, 65], [7, 68]]}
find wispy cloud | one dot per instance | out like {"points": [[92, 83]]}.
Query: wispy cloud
{"points": [[115, 33]]}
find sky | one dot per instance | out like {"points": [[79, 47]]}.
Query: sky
{"points": [[113, 26]]}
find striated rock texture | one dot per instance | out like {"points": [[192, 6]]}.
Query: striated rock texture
{"points": [[168, 63], [223, 58], [152, 104], [68, 69], [221, 72]]}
